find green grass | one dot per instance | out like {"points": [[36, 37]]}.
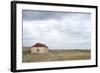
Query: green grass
{"points": [[55, 55]]}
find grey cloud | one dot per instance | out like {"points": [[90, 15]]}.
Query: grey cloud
{"points": [[57, 29], [45, 15], [41, 15]]}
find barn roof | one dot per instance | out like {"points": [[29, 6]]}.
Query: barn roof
{"points": [[39, 45]]}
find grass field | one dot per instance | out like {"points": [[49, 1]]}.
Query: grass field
{"points": [[55, 55]]}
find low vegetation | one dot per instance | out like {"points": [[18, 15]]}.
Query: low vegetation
{"points": [[55, 55]]}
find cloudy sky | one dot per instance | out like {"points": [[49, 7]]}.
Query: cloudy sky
{"points": [[57, 30]]}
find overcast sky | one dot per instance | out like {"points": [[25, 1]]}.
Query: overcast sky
{"points": [[57, 30]]}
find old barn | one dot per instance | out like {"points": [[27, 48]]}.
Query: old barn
{"points": [[39, 48]]}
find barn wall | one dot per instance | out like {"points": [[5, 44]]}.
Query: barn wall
{"points": [[41, 50]]}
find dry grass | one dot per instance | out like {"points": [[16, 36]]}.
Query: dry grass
{"points": [[55, 55]]}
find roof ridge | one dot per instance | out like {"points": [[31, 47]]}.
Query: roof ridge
{"points": [[39, 45]]}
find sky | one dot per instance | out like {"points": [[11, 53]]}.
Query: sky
{"points": [[57, 30]]}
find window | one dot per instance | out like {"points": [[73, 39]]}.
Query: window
{"points": [[37, 50]]}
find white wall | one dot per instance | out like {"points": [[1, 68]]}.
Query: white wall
{"points": [[5, 37]]}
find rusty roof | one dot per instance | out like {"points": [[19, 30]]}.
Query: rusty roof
{"points": [[39, 45]]}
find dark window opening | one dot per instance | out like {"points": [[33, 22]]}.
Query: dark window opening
{"points": [[37, 50]]}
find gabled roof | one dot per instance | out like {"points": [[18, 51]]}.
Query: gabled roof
{"points": [[39, 45]]}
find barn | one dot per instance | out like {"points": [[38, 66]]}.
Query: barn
{"points": [[39, 48]]}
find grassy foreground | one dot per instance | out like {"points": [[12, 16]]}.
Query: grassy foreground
{"points": [[55, 55]]}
